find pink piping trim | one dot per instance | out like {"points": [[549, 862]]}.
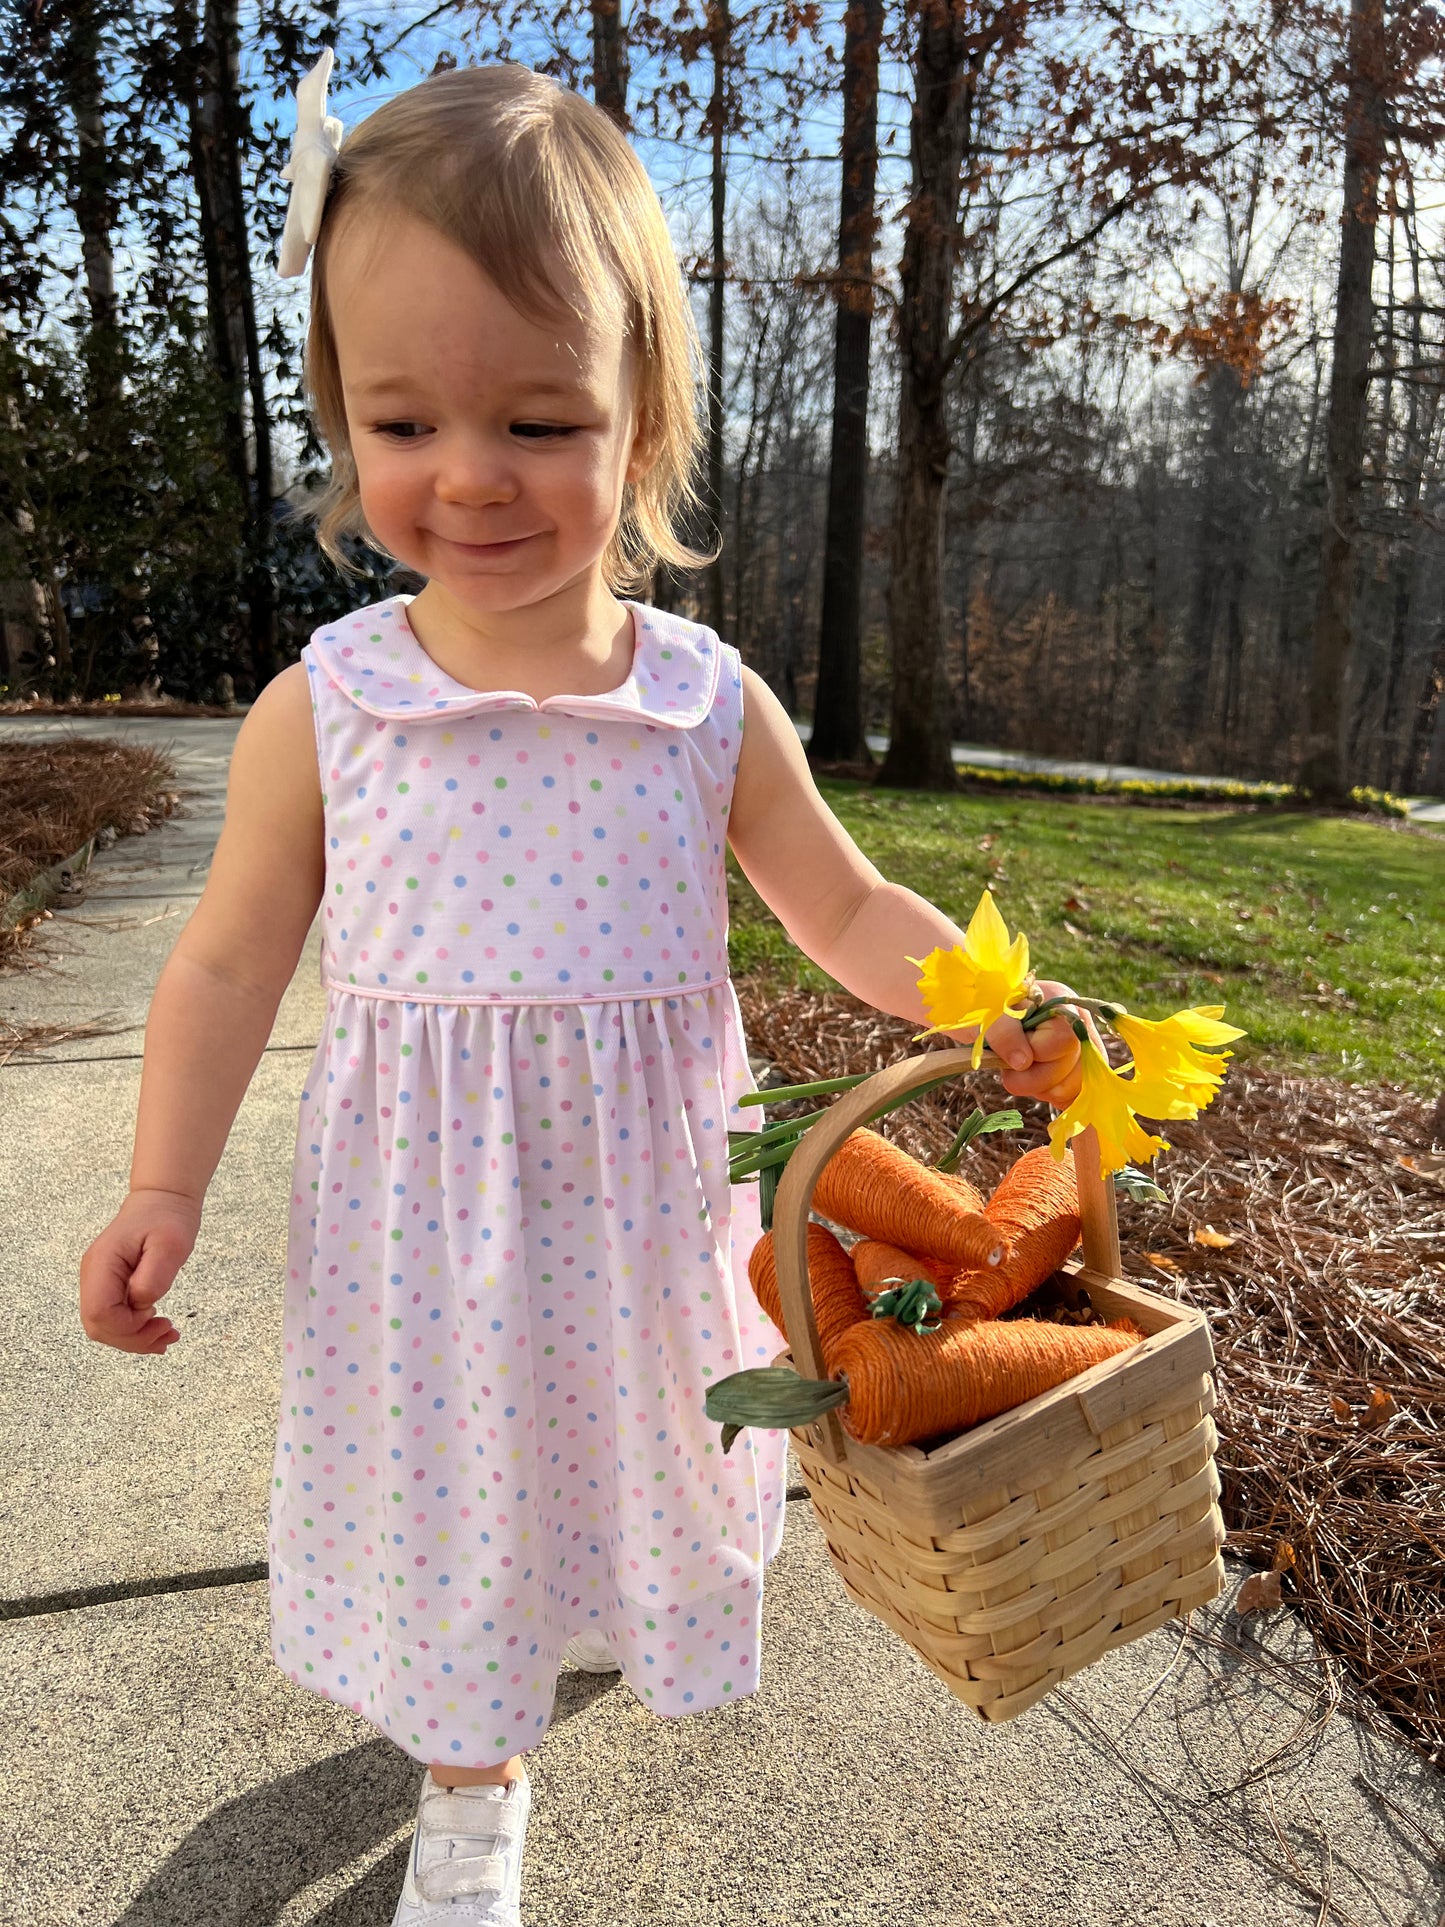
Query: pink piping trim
{"points": [[648, 995]]}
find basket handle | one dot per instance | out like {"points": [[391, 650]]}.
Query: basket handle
{"points": [[818, 1143]]}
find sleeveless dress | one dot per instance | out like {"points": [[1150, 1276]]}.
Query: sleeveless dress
{"points": [[514, 1260]]}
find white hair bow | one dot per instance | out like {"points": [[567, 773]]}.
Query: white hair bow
{"points": [[314, 148]]}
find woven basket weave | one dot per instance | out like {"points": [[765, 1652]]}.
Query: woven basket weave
{"points": [[1015, 1554]]}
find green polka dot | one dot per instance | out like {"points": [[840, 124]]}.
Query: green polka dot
{"points": [[607, 976], [421, 976], [411, 883], [509, 881], [594, 784], [601, 883], [515, 975], [402, 788], [499, 782]]}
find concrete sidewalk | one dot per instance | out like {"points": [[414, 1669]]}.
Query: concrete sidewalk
{"points": [[160, 1772]]}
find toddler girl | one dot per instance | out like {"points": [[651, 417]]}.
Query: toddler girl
{"points": [[514, 1258]]}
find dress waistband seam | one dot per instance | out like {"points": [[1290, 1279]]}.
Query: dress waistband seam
{"points": [[649, 994]]}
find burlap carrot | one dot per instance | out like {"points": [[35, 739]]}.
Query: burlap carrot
{"points": [[1036, 1208], [838, 1300], [871, 1186], [903, 1387]]}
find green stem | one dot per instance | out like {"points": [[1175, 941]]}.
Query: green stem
{"points": [[785, 1093], [788, 1128], [1042, 1012]]}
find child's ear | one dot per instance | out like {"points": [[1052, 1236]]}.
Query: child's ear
{"points": [[644, 451]]}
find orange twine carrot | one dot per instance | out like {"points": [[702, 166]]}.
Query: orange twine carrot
{"points": [[876, 1261], [1036, 1207], [970, 1198], [838, 1301], [873, 1187], [903, 1386]]}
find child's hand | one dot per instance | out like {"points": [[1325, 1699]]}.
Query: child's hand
{"points": [[1042, 1063], [133, 1263]]}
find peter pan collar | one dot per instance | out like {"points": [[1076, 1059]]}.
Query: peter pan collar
{"points": [[374, 659]]}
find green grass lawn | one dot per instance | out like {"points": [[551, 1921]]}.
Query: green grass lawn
{"points": [[1324, 937]]}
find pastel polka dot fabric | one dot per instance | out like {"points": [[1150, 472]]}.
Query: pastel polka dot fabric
{"points": [[514, 1260]]}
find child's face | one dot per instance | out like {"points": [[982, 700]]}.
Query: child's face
{"points": [[490, 451]]}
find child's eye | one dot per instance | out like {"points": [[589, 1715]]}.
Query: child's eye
{"points": [[536, 430], [401, 431]]}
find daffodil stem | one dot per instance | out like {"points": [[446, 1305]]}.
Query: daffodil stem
{"points": [[1041, 1012]]}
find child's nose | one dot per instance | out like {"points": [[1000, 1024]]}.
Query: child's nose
{"points": [[475, 472]]}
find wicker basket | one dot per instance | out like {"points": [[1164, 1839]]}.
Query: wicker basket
{"points": [[1016, 1553]]}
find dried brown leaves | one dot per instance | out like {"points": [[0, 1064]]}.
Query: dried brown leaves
{"points": [[1324, 1286]]}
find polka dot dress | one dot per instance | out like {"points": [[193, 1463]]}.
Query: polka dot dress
{"points": [[515, 1262]]}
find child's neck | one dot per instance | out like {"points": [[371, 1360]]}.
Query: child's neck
{"points": [[576, 643]]}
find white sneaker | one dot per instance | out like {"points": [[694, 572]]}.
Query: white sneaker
{"points": [[465, 1868], [591, 1652]]}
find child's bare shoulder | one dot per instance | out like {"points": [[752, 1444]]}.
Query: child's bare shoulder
{"points": [[278, 736], [267, 874]]}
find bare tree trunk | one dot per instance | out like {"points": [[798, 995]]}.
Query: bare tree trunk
{"points": [[217, 135], [919, 754], [609, 61], [838, 731], [93, 211], [1210, 568], [1323, 769], [1425, 761]]}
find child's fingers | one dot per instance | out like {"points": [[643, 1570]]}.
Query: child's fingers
{"points": [[1010, 1043], [121, 1276], [1055, 1082], [1054, 1039]]}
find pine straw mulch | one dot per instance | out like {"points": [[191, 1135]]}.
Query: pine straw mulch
{"points": [[1327, 1312], [57, 794], [126, 706]]}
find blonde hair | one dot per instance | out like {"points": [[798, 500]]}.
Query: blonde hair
{"points": [[525, 176]]}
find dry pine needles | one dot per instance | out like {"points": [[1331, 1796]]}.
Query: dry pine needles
{"points": [[58, 792]]}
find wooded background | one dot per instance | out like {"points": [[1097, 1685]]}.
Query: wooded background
{"points": [[1074, 369]]}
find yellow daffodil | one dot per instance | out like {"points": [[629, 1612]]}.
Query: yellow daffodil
{"points": [[1178, 1067], [985, 980], [1106, 1101]]}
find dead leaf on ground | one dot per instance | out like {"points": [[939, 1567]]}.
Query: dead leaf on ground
{"points": [[1380, 1410], [1283, 1556], [1072, 928], [1164, 1263], [1077, 903], [986, 843], [1261, 1592], [1341, 1408], [1426, 1164], [1205, 1234]]}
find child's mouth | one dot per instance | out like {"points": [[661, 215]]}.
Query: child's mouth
{"points": [[487, 548]]}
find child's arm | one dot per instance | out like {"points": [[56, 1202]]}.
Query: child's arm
{"points": [[212, 1013], [843, 913]]}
